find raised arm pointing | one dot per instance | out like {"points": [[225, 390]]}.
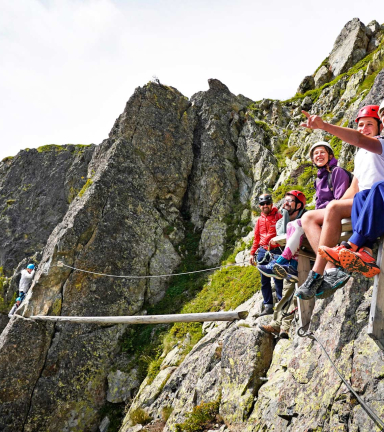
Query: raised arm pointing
{"points": [[348, 135]]}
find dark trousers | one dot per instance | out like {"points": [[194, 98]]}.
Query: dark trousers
{"points": [[266, 288], [367, 215]]}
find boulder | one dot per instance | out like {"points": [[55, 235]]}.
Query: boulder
{"points": [[323, 75], [350, 46], [308, 83], [121, 385], [306, 104]]}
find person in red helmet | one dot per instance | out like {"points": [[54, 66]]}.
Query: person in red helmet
{"points": [[285, 265], [325, 231], [332, 182], [367, 221]]}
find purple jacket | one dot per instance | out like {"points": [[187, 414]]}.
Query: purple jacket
{"points": [[340, 182]]}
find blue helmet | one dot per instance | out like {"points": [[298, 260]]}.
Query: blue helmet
{"points": [[31, 266]]}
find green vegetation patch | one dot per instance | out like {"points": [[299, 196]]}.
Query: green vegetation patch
{"points": [[266, 128], [50, 147], [88, 183], [285, 151], [77, 148], [8, 158], [336, 145], [201, 418], [303, 182], [4, 305], [227, 289], [139, 416]]}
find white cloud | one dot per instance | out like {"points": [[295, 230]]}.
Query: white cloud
{"points": [[68, 67]]}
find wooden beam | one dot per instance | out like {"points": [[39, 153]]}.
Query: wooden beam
{"points": [[148, 319], [305, 306], [376, 315]]}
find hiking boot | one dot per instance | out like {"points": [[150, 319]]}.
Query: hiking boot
{"points": [[310, 286], [332, 254], [360, 261], [332, 281], [268, 310], [269, 329], [283, 334], [286, 272], [268, 270]]}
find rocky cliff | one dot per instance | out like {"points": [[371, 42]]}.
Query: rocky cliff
{"points": [[172, 189]]}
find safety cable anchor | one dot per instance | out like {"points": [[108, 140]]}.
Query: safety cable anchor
{"points": [[303, 333]]}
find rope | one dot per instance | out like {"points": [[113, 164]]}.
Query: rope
{"points": [[61, 264], [366, 408]]}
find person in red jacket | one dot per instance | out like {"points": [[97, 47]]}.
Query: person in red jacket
{"points": [[265, 230]]}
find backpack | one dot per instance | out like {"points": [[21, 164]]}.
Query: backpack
{"points": [[330, 185], [329, 179]]}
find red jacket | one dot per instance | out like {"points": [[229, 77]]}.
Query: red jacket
{"points": [[265, 230]]}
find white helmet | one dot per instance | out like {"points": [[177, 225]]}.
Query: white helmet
{"points": [[318, 144], [381, 107]]}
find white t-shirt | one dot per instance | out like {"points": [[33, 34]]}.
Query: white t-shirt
{"points": [[25, 281], [369, 167]]}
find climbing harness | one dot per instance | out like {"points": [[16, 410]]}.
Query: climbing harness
{"points": [[243, 263], [302, 333], [268, 256]]}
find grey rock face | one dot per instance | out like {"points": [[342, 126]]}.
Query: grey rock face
{"points": [[213, 180], [120, 385], [376, 94], [301, 390], [36, 188], [350, 46], [18, 380], [163, 157], [138, 178]]}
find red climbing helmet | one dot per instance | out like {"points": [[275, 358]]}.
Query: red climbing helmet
{"points": [[298, 195], [368, 111]]}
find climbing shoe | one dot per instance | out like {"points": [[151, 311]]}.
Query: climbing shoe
{"points": [[332, 253], [332, 281], [310, 286], [268, 270], [269, 329], [286, 272], [268, 310], [360, 261], [283, 334]]}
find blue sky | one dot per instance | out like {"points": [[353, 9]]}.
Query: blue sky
{"points": [[68, 67]]}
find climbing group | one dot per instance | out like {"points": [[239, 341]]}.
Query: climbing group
{"points": [[339, 195]]}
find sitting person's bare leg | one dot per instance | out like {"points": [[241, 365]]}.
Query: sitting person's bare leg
{"points": [[325, 228], [331, 230], [312, 222]]}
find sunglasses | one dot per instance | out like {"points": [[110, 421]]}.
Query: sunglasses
{"points": [[265, 203]]}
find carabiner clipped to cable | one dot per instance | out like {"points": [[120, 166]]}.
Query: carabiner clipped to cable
{"points": [[302, 333]]}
